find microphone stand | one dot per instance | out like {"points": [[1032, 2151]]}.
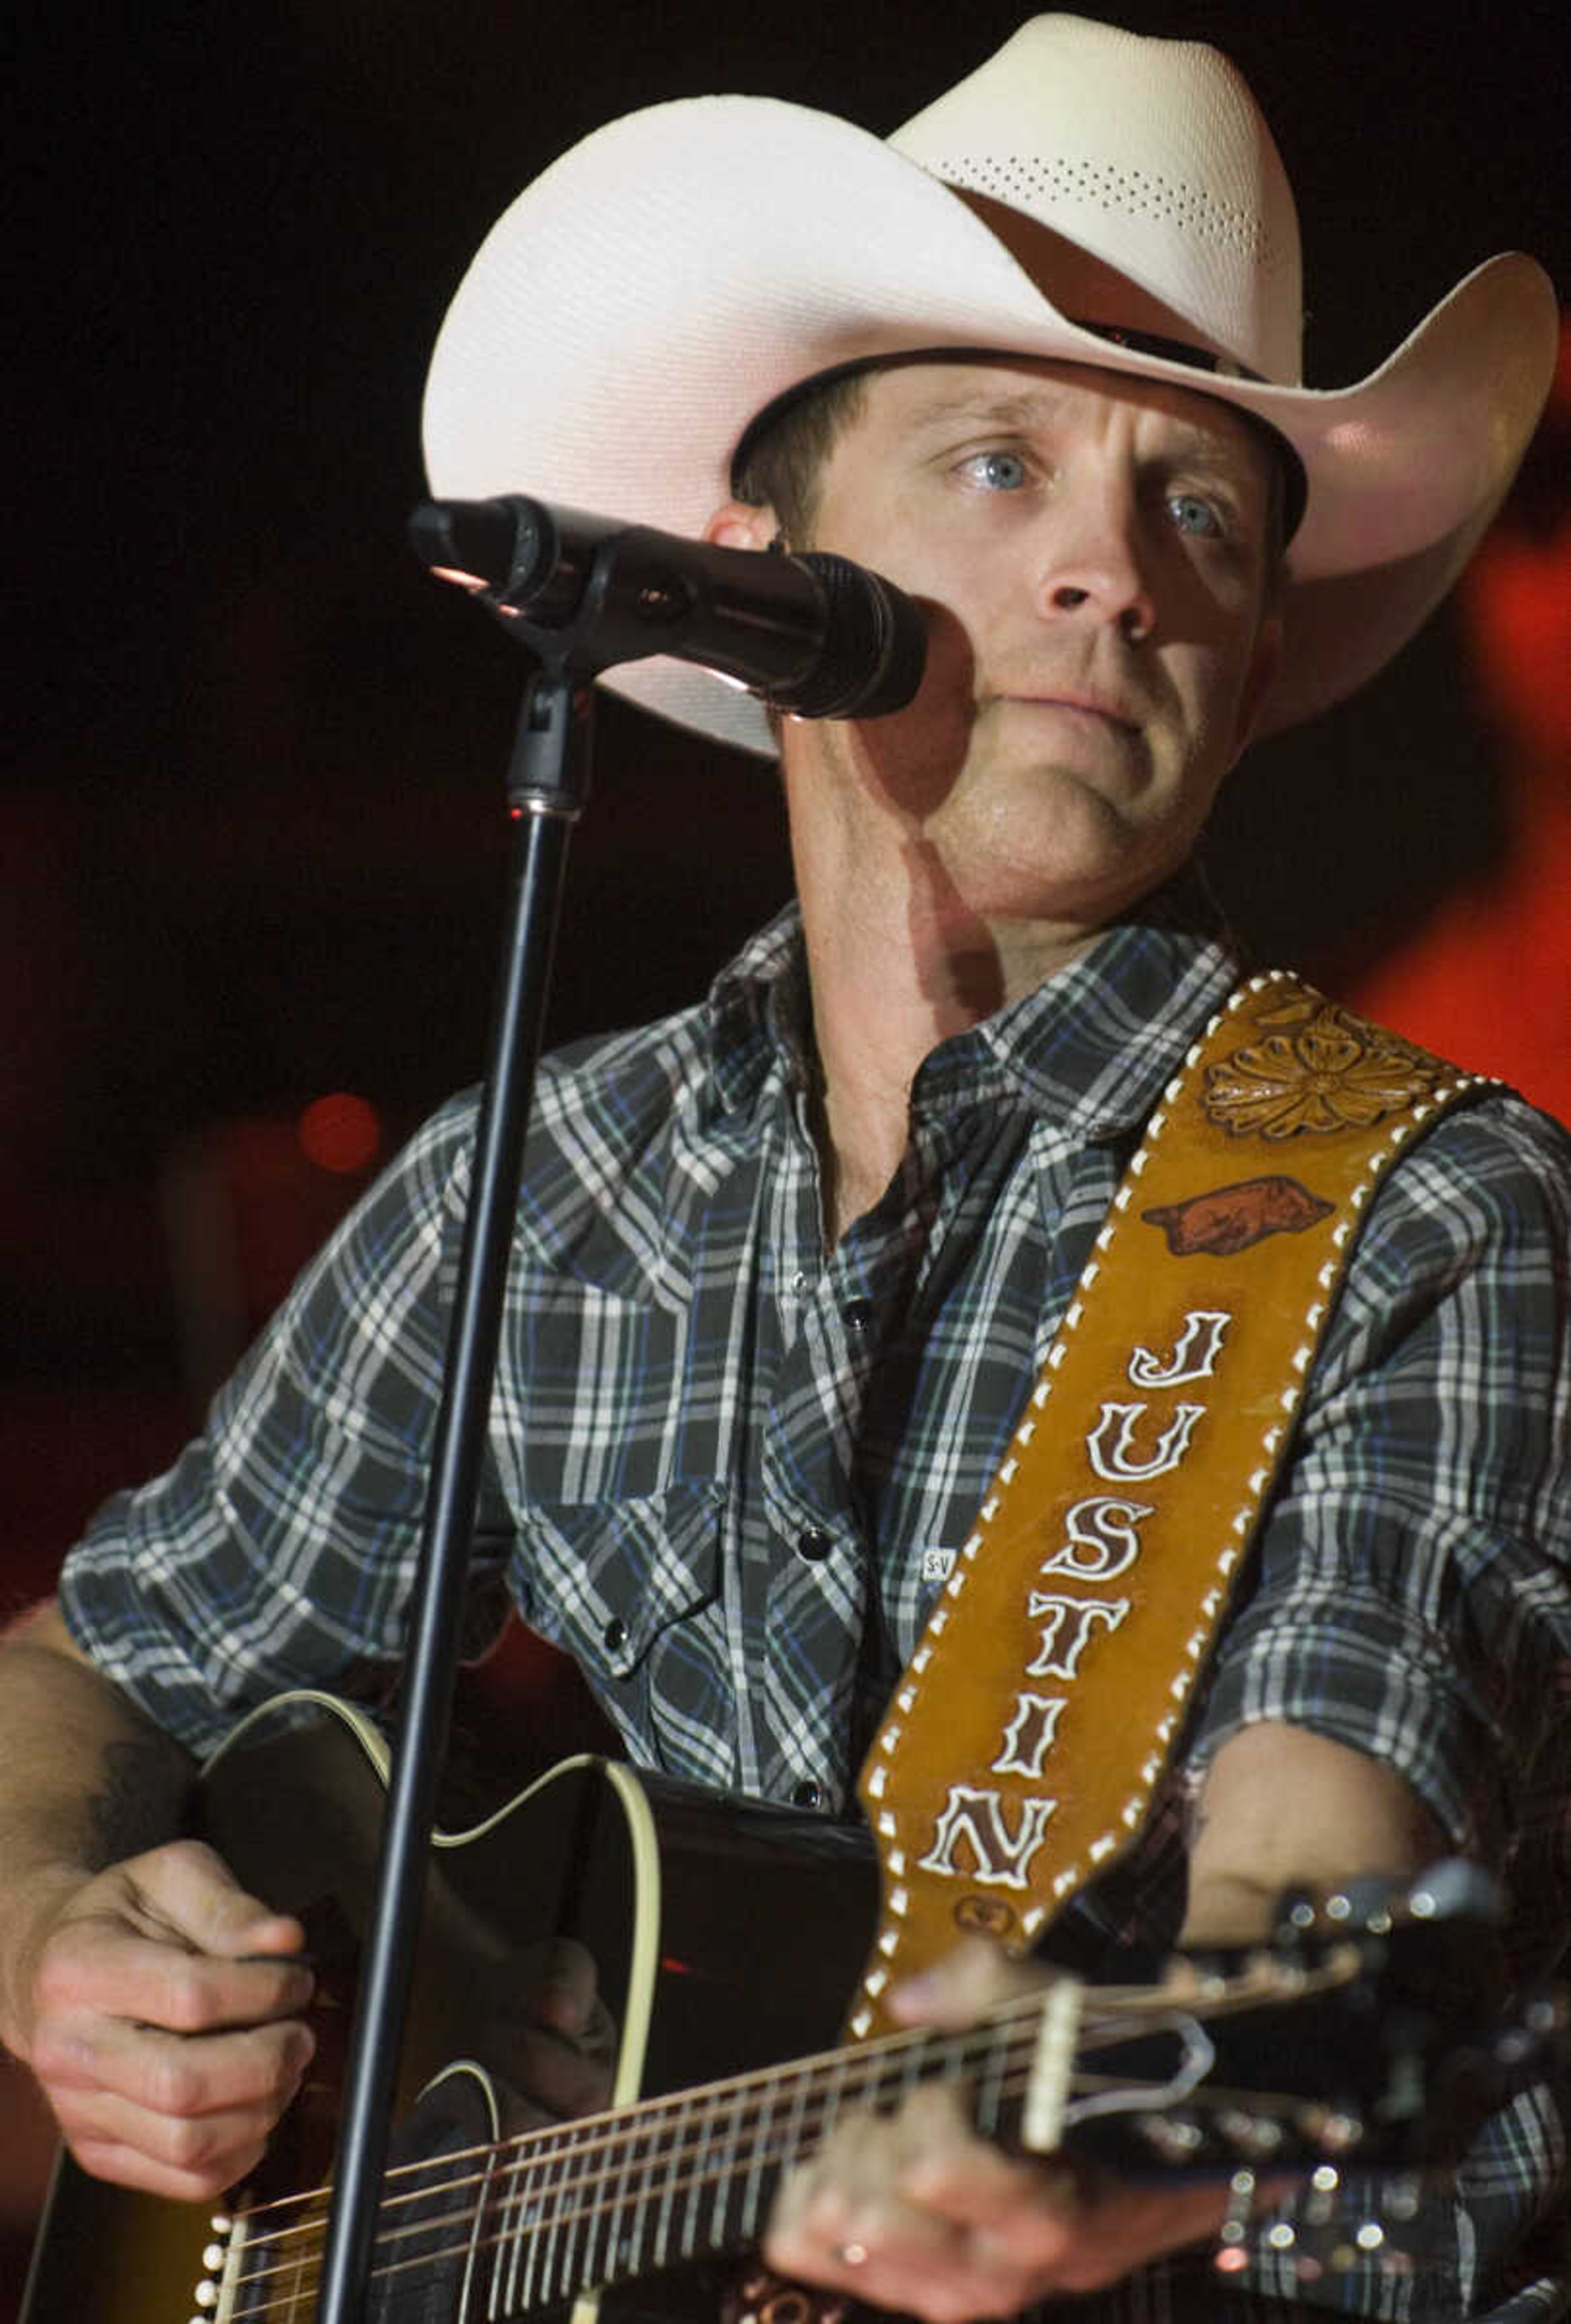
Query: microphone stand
{"points": [[547, 791], [620, 600]]}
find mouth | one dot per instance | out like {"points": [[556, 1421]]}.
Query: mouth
{"points": [[1098, 707]]}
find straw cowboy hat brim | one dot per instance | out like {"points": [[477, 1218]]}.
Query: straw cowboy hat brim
{"points": [[684, 268]]}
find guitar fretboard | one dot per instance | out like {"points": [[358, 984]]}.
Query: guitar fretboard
{"points": [[517, 2227]]}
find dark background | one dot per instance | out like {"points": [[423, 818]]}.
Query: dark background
{"points": [[249, 802]]}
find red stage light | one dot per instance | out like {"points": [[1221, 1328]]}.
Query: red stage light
{"points": [[340, 1132]]}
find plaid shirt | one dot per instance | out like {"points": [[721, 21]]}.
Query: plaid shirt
{"points": [[726, 1470]]}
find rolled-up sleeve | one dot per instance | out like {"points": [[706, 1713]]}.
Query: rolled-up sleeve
{"points": [[1411, 1587], [281, 1548]]}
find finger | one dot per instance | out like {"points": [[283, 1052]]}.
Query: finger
{"points": [[127, 2166], [558, 2076], [97, 1965], [566, 1995], [188, 1890], [942, 2166], [914, 2199], [973, 1976], [257, 2068], [209, 2153], [199, 2115], [868, 2241]]}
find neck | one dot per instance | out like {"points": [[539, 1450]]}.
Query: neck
{"points": [[899, 964]]}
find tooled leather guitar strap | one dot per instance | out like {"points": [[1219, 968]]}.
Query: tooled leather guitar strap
{"points": [[1021, 1748]]}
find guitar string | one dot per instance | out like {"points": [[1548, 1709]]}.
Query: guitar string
{"points": [[949, 2052], [471, 2246], [674, 2155], [1151, 2008], [1109, 2015], [656, 2169], [646, 2118]]}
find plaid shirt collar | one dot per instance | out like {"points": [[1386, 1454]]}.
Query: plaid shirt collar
{"points": [[1091, 1049]]}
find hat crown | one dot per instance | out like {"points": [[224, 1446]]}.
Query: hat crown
{"points": [[1151, 158]]}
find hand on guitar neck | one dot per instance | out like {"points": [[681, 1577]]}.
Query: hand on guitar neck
{"points": [[914, 2211]]}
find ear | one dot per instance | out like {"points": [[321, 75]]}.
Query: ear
{"points": [[739, 525], [1262, 669]]}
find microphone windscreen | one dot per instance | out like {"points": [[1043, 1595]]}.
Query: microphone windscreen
{"points": [[874, 648]]}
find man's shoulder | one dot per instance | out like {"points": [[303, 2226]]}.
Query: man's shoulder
{"points": [[1483, 1200], [1484, 1134], [637, 1075]]}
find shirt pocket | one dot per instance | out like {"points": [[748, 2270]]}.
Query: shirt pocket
{"points": [[631, 1588]]}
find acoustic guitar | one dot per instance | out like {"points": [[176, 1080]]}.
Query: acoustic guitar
{"points": [[727, 1935]]}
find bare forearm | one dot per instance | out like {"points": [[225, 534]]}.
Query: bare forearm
{"points": [[85, 1782], [160, 2006], [1284, 1807]]}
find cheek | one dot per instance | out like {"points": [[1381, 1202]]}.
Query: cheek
{"points": [[913, 756], [1218, 668]]}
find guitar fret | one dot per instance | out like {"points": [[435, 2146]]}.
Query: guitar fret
{"points": [[533, 2234], [572, 2232], [990, 2089], [474, 2264], [664, 2221], [620, 2233], [759, 2177], [692, 2241], [835, 2091], [642, 2177], [720, 2167], [512, 2220], [504, 2257], [602, 2216]]}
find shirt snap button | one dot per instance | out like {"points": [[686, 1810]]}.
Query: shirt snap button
{"points": [[813, 1544], [614, 1637], [858, 1314], [808, 1794]]}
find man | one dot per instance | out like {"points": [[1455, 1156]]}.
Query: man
{"points": [[786, 1266]]}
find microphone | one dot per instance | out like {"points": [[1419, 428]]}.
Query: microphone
{"points": [[815, 635]]}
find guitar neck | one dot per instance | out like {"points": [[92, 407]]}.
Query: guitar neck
{"points": [[556, 2213]]}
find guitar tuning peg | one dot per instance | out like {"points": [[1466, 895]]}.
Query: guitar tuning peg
{"points": [[1320, 2204], [1403, 2198], [1455, 1890], [1233, 2234], [1176, 2138], [1255, 2137], [1295, 1921], [1331, 2130]]}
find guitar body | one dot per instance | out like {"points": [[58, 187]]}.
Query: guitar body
{"points": [[726, 1935]]}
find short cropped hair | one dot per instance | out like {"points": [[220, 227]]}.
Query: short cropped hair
{"points": [[780, 463]]}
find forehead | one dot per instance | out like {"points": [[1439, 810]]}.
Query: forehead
{"points": [[910, 403]]}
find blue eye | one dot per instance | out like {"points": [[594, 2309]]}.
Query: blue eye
{"points": [[1190, 513], [1000, 472]]}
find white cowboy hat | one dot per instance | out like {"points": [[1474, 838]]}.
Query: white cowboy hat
{"points": [[679, 271]]}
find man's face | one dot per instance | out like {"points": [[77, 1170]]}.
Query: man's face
{"points": [[1092, 552]]}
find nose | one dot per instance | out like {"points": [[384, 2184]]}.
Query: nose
{"points": [[1092, 567]]}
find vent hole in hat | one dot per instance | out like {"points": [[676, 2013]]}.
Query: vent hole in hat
{"points": [[1035, 182]]}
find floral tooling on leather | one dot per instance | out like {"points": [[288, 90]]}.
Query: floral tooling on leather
{"points": [[1323, 1070]]}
